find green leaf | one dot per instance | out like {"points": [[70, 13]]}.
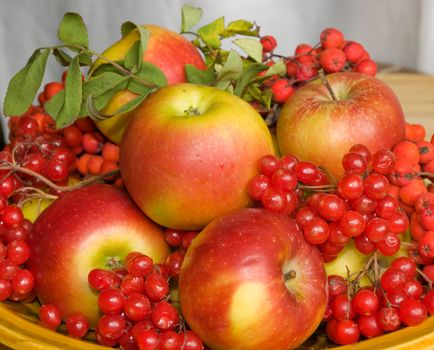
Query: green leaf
{"points": [[130, 105], [24, 85], [210, 33], [190, 17], [73, 90], [127, 27], [102, 87], [144, 37], [251, 47], [54, 105], [62, 119], [199, 76], [240, 27], [62, 57], [102, 83], [246, 77], [85, 59], [152, 74], [278, 68], [138, 88], [106, 67], [232, 69], [133, 58], [72, 30]]}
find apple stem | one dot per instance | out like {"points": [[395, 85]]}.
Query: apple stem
{"points": [[289, 275], [327, 84], [192, 111]]}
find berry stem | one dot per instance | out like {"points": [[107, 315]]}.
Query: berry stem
{"points": [[425, 174], [15, 167], [327, 84], [425, 277]]}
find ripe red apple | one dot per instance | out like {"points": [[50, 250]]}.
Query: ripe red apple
{"points": [[166, 49], [188, 153], [251, 281], [316, 128], [92, 227]]}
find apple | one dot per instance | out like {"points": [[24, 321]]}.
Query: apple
{"points": [[92, 227], [251, 281], [166, 49], [316, 128], [188, 153]]}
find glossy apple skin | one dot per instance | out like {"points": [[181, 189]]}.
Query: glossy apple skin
{"points": [[185, 169], [166, 49], [82, 230], [315, 128], [232, 288]]}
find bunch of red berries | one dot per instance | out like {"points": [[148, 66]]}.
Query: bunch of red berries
{"points": [[37, 145], [136, 307], [398, 299], [16, 282], [332, 54], [358, 207]]}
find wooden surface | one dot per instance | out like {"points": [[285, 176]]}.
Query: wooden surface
{"points": [[416, 93]]}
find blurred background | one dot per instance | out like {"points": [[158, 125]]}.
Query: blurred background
{"points": [[399, 33]]}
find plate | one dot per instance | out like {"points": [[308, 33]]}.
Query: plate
{"points": [[19, 330]]}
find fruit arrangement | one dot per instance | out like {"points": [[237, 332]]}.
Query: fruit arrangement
{"points": [[181, 196]]}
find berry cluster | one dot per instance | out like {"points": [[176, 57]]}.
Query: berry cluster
{"points": [[36, 145], [179, 241], [332, 54], [16, 282], [412, 187], [358, 207], [279, 186], [136, 307], [398, 298]]}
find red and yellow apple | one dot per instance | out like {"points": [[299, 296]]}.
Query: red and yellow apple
{"points": [[92, 227], [167, 50], [188, 153], [251, 281], [317, 128]]}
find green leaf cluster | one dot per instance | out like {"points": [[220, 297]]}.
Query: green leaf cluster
{"points": [[227, 68]]}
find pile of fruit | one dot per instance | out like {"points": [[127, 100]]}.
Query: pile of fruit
{"points": [[181, 196]]}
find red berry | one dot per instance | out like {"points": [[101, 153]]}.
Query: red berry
{"points": [[370, 326], [165, 316], [353, 51], [282, 89], [268, 42], [352, 223], [50, 316], [77, 326], [156, 286], [111, 301], [389, 319], [412, 312], [332, 60], [258, 185], [331, 37], [331, 207], [111, 326], [347, 332], [140, 265], [137, 307], [365, 302], [366, 66]]}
